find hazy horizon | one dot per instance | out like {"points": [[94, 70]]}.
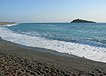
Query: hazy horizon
{"points": [[46, 11]]}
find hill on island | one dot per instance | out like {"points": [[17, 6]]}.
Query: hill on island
{"points": [[82, 21]]}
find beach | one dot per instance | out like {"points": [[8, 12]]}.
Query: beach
{"points": [[15, 60], [76, 39], [52, 38]]}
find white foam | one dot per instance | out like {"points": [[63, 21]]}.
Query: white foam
{"points": [[10, 25], [81, 50]]}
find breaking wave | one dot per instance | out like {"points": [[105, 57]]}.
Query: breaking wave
{"points": [[82, 50]]}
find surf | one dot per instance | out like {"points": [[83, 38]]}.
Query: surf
{"points": [[82, 50]]}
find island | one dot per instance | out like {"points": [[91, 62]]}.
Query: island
{"points": [[5, 23], [82, 21]]}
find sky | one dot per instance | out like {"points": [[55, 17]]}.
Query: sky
{"points": [[38, 11]]}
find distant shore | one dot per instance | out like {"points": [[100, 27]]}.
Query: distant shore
{"points": [[28, 62], [6, 23]]}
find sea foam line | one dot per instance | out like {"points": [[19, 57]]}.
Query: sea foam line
{"points": [[81, 50], [10, 25]]}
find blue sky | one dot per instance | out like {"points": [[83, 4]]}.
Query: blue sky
{"points": [[52, 10]]}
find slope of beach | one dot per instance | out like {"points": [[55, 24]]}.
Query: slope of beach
{"points": [[15, 60]]}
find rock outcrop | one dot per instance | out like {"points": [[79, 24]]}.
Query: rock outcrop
{"points": [[82, 21]]}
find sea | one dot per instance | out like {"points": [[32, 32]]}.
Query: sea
{"points": [[87, 40]]}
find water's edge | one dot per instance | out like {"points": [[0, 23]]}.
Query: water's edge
{"points": [[42, 49], [61, 48]]}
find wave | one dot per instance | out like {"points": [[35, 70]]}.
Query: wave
{"points": [[10, 25], [74, 40], [88, 51]]}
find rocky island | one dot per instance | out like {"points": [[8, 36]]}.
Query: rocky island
{"points": [[82, 21]]}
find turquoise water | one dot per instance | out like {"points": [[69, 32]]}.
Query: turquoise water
{"points": [[86, 40], [71, 32]]}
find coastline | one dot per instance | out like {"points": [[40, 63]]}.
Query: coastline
{"points": [[71, 66], [57, 45], [7, 23]]}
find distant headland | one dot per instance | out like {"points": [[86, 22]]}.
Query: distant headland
{"points": [[5, 23], [82, 21]]}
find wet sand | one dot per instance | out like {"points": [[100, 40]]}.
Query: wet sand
{"points": [[18, 61]]}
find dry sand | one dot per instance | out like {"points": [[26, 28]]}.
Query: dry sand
{"points": [[17, 61]]}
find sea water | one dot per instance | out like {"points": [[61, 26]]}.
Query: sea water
{"points": [[86, 40]]}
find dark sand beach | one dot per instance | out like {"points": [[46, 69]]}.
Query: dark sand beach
{"points": [[18, 61]]}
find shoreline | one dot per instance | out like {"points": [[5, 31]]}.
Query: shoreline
{"points": [[45, 50], [7, 23], [71, 66], [95, 52]]}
